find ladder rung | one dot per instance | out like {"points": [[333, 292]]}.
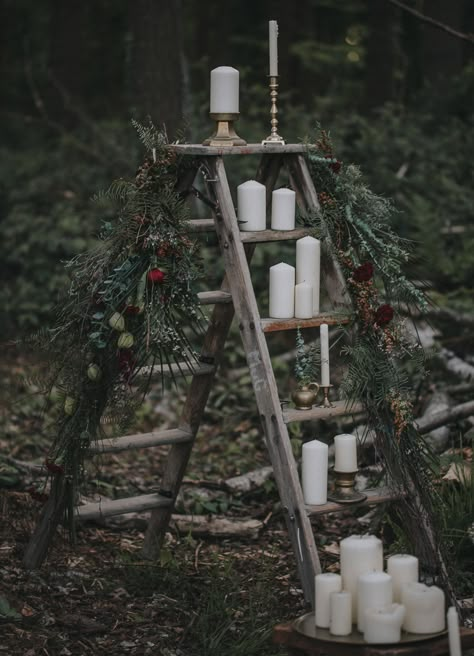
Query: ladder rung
{"points": [[270, 325], [184, 369], [121, 506], [339, 408], [140, 441], [202, 225], [214, 297], [262, 236], [377, 495]]}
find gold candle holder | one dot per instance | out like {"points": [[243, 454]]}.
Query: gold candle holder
{"points": [[225, 134], [345, 492], [326, 402], [274, 137]]}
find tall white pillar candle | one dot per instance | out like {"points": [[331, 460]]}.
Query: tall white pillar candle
{"points": [[324, 339], [251, 206], [282, 291], [359, 554], [314, 472], [273, 42], [383, 625], [303, 301], [374, 590], [224, 90], [283, 209], [424, 607], [340, 623], [453, 632], [324, 585], [308, 264], [403, 568], [345, 446]]}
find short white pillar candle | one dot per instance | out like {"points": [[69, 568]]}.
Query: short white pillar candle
{"points": [[314, 472], [283, 209], [359, 554], [374, 590], [282, 291], [453, 632], [303, 301], [383, 625], [224, 90], [324, 340], [340, 623], [252, 206], [308, 264], [425, 608], [324, 585], [345, 446], [403, 568]]}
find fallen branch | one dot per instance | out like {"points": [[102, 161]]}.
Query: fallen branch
{"points": [[252, 480], [427, 424]]}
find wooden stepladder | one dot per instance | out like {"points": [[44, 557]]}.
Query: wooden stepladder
{"points": [[236, 295]]}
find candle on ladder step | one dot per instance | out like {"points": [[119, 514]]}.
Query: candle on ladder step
{"points": [[224, 90], [324, 585], [303, 301], [383, 625], [308, 263], [324, 337], [340, 623], [345, 446], [314, 472], [283, 209], [374, 590], [424, 607], [251, 206], [282, 291], [453, 632], [273, 42], [403, 568], [359, 554]]}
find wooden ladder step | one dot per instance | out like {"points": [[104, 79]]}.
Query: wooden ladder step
{"points": [[176, 369], [339, 409], [97, 510], [141, 441], [202, 225], [214, 297], [270, 325], [377, 495], [262, 236]]}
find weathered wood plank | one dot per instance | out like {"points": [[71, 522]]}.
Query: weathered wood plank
{"points": [[270, 325], [262, 236], [121, 506], [140, 441], [374, 496], [249, 149], [202, 225], [214, 297], [339, 409]]}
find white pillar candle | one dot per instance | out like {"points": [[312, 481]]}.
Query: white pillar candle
{"points": [[314, 472], [424, 607], [359, 554], [303, 301], [308, 264], [374, 590], [252, 206], [453, 633], [324, 338], [340, 622], [403, 568], [283, 209], [273, 39], [282, 291], [324, 585], [224, 90], [345, 446], [383, 625]]}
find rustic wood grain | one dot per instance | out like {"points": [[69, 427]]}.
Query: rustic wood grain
{"points": [[263, 236], [338, 409], [270, 325], [140, 441], [375, 496], [249, 149]]}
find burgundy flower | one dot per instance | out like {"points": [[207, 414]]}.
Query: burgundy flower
{"points": [[53, 467], [155, 276], [132, 309], [334, 166], [384, 314], [364, 272]]}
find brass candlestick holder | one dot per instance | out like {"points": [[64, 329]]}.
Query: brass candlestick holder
{"points": [[345, 492], [274, 137], [225, 134], [326, 402]]}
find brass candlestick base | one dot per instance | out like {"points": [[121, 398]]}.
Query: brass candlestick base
{"points": [[225, 134], [274, 137], [326, 402], [344, 492]]}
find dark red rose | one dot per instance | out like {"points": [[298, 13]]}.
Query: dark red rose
{"points": [[155, 276], [132, 309], [53, 467], [334, 166], [126, 363], [384, 315], [364, 272]]}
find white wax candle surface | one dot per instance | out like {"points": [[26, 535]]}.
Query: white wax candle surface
{"points": [[383, 625], [273, 42], [251, 206], [303, 301], [359, 554], [282, 291], [424, 606], [224, 90], [308, 264], [345, 446], [340, 622], [403, 568], [374, 590], [324, 585], [283, 209], [314, 472], [453, 633], [324, 337]]}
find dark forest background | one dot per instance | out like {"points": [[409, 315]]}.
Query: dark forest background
{"points": [[395, 92]]}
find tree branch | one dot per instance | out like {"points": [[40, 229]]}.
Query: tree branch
{"points": [[431, 21]]}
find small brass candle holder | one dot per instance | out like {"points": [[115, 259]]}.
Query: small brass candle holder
{"points": [[225, 134], [274, 137], [345, 492], [326, 402]]}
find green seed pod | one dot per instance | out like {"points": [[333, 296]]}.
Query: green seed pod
{"points": [[94, 372], [117, 322], [70, 405], [125, 341]]}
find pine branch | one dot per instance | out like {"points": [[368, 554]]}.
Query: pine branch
{"points": [[431, 21]]}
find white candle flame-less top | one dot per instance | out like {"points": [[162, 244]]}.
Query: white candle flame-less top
{"points": [[403, 568], [282, 291], [424, 607], [283, 209], [454, 636], [314, 472], [340, 623], [273, 42], [224, 90], [324, 339], [383, 625], [308, 264], [251, 206], [374, 590], [345, 446], [324, 585], [359, 554]]}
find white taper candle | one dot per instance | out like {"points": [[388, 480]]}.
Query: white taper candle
{"points": [[273, 43], [324, 336], [453, 632]]}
